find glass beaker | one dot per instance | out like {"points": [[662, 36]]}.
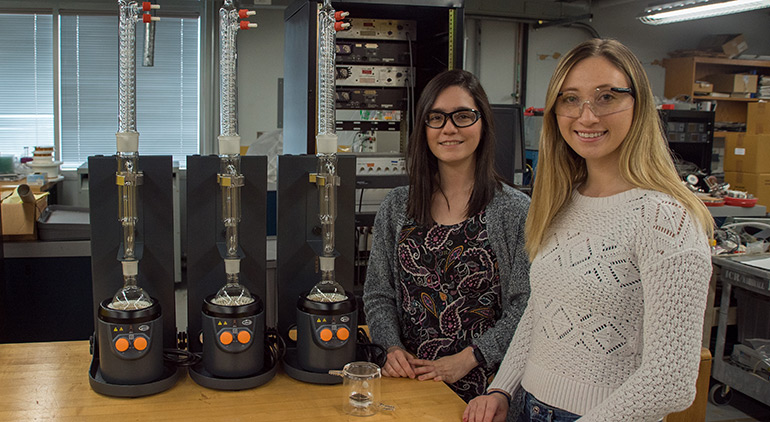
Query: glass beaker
{"points": [[361, 389]]}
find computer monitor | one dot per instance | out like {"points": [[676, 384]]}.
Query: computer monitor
{"points": [[509, 133]]}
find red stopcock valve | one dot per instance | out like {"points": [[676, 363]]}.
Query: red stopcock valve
{"points": [[147, 6], [247, 25], [340, 24], [243, 14]]}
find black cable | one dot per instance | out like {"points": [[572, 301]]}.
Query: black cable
{"points": [[357, 245], [361, 200], [181, 358], [275, 345], [370, 352], [410, 88]]}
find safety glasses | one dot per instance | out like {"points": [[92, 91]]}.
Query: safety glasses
{"points": [[606, 101], [460, 118]]}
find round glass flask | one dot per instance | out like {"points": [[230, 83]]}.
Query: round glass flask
{"points": [[131, 297], [233, 293]]}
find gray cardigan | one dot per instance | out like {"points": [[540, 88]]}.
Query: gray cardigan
{"points": [[506, 214]]}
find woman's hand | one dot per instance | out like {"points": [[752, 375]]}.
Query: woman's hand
{"points": [[448, 369], [397, 364], [487, 408]]}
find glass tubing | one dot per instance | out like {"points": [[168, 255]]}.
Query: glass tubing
{"points": [[230, 177], [327, 161], [127, 160]]}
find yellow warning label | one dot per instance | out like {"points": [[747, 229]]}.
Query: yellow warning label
{"points": [[120, 180], [219, 323], [318, 320], [115, 329]]}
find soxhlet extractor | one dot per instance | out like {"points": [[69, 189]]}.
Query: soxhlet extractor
{"points": [[130, 329], [233, 320], [326, 316]]}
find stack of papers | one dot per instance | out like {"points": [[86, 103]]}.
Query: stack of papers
{"points": [[764, 87], [763, 263]]}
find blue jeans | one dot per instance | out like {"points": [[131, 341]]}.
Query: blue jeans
{"points": [[537, 411]]}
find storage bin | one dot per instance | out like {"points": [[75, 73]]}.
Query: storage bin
{"points": [[64, 222], [753, 321]]}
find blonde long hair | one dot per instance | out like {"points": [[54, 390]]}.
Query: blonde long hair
{"points": [[645, 160]]}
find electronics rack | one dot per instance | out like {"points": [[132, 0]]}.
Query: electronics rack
{"points": [[375, 85], [391, 51], [690, 135]]}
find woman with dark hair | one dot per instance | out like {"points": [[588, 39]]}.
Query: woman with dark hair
{"points": [[620, 261], [447, 279]]}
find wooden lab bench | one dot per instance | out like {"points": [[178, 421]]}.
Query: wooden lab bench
{"points": [[49, 381]]}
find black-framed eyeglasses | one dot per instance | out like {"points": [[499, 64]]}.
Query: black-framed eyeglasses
{"points": [[606, 101], [460, 118]]}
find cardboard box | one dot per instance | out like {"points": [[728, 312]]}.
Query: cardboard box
{"points": [[740, 82], [747, 153], [729, 44], [702, 88], [19, 219], [753, 183], [758, 118]]}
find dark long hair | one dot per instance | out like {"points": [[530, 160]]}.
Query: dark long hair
{"points": [[422, 165]]}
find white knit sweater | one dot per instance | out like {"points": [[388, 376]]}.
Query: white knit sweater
{"points": [[612, 330]]}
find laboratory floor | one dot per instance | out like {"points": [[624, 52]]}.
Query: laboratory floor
{"points": [[740, 409]]}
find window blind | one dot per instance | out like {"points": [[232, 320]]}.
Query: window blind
{"points": [[26, 82], [166, 94]]}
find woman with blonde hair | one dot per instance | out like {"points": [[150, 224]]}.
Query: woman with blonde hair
{"points": [[620, 260]]}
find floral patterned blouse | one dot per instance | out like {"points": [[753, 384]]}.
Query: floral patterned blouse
{"points": [[451, 283]]}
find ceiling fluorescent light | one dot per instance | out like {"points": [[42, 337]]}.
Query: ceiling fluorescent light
{"points": [[697, 9]]}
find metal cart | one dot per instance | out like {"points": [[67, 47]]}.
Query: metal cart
{"points": [[734, 273]]}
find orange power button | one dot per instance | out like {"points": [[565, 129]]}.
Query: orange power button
{"points": [[121, 344], [343, 333], [226, 337], [326, 334], [244, 337], [140, 343]]}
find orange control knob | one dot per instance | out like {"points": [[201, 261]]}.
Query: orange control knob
{"points": [[326, 334], [343, 333], [226, 337], [244, 337], [140, 343], [121, 344]]}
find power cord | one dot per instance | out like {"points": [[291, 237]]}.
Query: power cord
{"points": [[410, 89], [368, 351], [181, 358], [275, 349]]}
